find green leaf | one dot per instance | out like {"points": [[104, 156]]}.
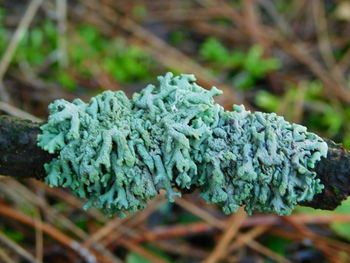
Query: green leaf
{"points": [[67, 81], [139, 11], [243, 81], [267, 101], [50, 29], [136, 258], [277, 244], [333, 120], [235, 59], [251, 63], [213, 51], [14, 235], [256, 65], [177, 37], [37, 37], [186, 218], [127, 63]]}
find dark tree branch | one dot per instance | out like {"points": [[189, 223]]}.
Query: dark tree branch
{"points": [[22, 158], [19, 154], [334, 172]]}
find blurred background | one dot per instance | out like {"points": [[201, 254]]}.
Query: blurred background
{"points": [[291, 57]]}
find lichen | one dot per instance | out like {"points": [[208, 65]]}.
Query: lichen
{"points": [[119, 153]]}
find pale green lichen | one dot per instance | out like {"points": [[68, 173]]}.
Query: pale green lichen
{"points": [[118, 153]]}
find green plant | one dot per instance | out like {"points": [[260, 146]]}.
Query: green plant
{"points": [[247, 67], [126, 63], [3, 33], [89, 53], [37, 44]]}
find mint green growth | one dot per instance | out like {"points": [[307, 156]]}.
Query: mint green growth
{"points": [[118, 153]]}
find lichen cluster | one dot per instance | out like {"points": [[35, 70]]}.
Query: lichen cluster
{"points": [[118, 153]]}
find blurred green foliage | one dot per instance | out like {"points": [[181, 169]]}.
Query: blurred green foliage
{"points": [[133, 257], [126, 63], [14, 235], [136, 258], [139, 11], [177, 37], [277, 244], [246, 67], [89, 54], [36, 45], [3, 33]]}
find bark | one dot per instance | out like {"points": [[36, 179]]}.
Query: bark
{"points": [[22, 158], [334, 172], [19, 154]]}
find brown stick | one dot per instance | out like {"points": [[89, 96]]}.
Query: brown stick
{"points": [[22, 158]]}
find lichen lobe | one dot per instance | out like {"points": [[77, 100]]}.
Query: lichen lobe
{"points": [[118, 153]]}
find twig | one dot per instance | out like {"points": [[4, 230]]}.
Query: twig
{"points": [[16, 112], [305, 232], [108, 231], [233, 226], [252, 23], [70, 199], [324, 44], [244, 239], [182, 248], [65, 240], [299, 52], [61, 12], [39, 242], [332, 244], [102, 232], [18, 35], [17, 248], [201, 213], [15, 187], [267, 252], [164, 53], [114, 237], [52, 215], [280, 22], [176, 231], [143, 252], [4, 256]]}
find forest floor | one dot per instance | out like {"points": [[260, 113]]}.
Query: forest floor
{"points": [[290, 57]]}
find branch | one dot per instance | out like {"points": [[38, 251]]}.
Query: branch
{"points": [[22, 158], [19, 154], [334, 174]]}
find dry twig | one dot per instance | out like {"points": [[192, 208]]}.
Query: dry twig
{"points": [[233, 225], [12, 46]]}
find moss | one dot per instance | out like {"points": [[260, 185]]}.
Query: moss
{"points": [[118, 153]]}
